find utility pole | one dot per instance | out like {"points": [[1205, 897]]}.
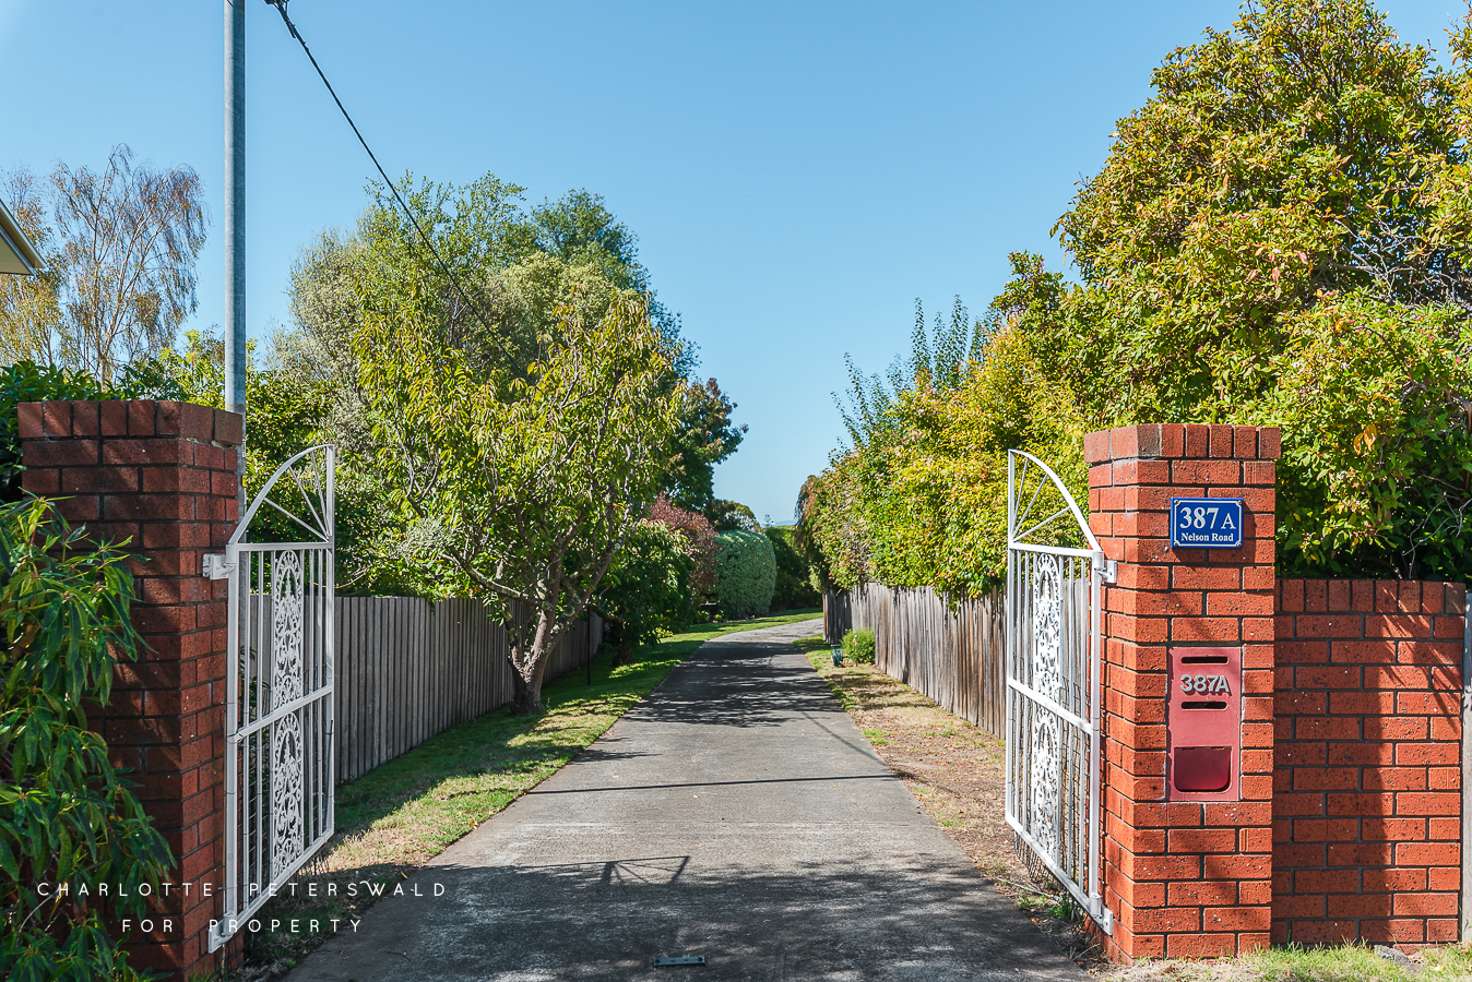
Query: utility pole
{"points": [[235, 217]]}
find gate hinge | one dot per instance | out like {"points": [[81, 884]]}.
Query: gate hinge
{"points": [[214, 566], [1110, 572]]}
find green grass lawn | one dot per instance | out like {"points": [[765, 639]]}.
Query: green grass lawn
{"points": [[393, 819], [1293, 963]]}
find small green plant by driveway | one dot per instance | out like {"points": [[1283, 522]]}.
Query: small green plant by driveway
{"points": [[858, 646]]}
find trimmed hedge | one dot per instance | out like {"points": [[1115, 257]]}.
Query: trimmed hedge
{"points": [[746, 573]]}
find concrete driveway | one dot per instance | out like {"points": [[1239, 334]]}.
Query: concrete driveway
{"points": [[736, 814]]}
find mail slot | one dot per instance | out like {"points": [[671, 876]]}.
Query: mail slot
{"points": [[1204, 724]]}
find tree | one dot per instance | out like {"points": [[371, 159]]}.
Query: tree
{"points": [[705, 437], [579, 228], [700, 544], [1296, 185], [794, 588], [1279, 235], [1302, 155], [514, 265], [732, 516], [376, 552], [523, 440], [119, 249], [940, 357]]}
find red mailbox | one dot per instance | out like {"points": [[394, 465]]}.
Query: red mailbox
{"points": [[1204, 724]]}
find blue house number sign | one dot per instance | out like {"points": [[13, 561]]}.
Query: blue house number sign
{"points": [[1205, 523]]}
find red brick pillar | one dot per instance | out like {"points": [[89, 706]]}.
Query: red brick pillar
{"points": [[162, 475], [1185, 878]]}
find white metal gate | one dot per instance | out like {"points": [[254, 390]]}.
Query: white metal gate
{"points": [[1054, 648], [278, 698]]}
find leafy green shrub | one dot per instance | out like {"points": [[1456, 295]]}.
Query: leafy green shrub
{"points": [[858, 646], [65, 814], [794, 589], [647, 589], [1376, 447], [746, 573], [1258, 248]]}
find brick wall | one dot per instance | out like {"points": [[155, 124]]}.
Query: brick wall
{"points": [[1183, 878], [162, 475], [1367, 792]]}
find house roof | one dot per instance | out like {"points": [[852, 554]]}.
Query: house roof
{"points": [[17, 255]]}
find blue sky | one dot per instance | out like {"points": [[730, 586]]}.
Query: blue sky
{"points": [[797, 173]]}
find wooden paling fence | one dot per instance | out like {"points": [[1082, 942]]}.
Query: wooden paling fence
{"points": [[409, 668], [951, 652]]}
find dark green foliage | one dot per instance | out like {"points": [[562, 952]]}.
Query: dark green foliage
{"points": [[647, 589], [746, 573], [794, 589], [65, 813], [705, 437], [858, 646]]}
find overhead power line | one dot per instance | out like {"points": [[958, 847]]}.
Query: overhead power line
{"points": [[280, 6]]}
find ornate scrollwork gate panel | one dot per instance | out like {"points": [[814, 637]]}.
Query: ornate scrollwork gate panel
{"points": [[1055, 569], [278, 704]]}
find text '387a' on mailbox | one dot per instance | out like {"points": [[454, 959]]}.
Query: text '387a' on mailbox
{"points": [[1204, 724]]}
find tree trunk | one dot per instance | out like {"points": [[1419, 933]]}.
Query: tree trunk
{"points": [[527, 673], [527, 698]]}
